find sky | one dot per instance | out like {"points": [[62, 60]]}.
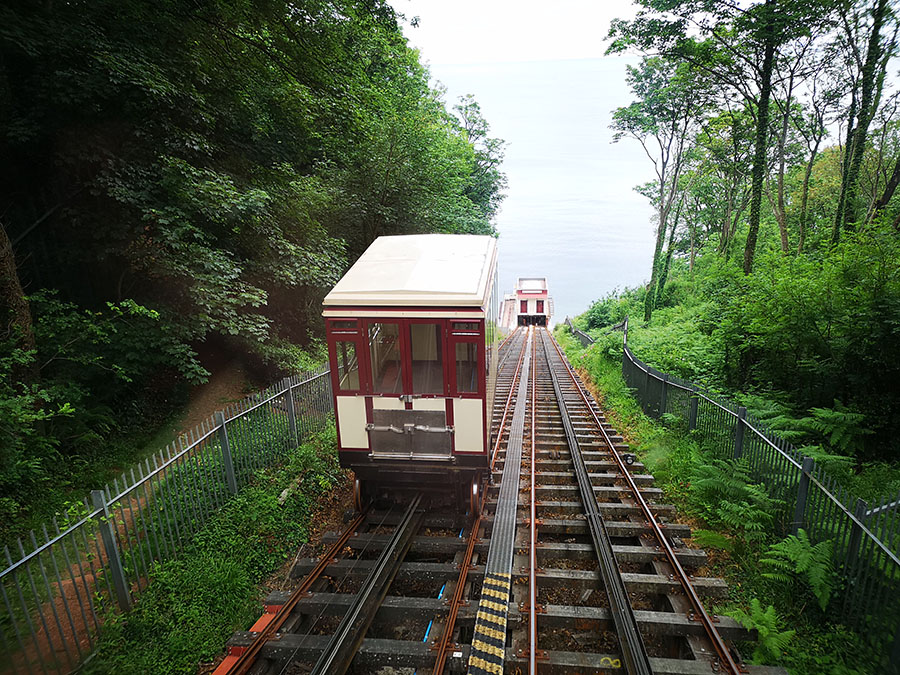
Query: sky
{"points": [[545, 87]]}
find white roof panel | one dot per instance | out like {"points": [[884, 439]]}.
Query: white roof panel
{"points": [[422, 270], [532, 283]]}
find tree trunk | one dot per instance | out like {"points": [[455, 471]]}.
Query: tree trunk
{"points": [[726, 223], [889, 190], [759, 154], [866, 113], [667, 264], [650, 300], [804, 196], [845, 165], [14, 308], [691, 227]]}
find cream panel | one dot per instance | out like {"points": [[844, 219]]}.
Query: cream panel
{"points": [[428, 404], [387, 403], [468, 424], [351, 414]]}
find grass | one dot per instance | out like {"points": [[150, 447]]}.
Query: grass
{"points": [[195, 602], [674, 456]]}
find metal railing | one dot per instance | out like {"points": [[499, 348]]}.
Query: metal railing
{"points": [[865, 541], [60, 585], [585, 339]]}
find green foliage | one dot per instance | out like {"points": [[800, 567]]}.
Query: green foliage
{"points": [[675, 458], [194, 603], [841, 427], [178, 178], [771, 642], [712, 539], [729, 499], [797, 558]]}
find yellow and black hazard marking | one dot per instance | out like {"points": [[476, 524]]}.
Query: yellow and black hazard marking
{"points": [[489, 641]]}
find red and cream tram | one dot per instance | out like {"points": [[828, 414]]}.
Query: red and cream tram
{"points": [[412, 337]]}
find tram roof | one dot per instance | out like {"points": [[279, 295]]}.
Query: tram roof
{"points": [[421, 270]]}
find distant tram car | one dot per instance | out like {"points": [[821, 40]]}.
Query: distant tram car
{"points": [[412, 338]]}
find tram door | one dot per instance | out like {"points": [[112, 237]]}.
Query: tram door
{"points": [[467, 383]]}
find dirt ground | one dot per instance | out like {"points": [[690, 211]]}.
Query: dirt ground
{"points": [[228, 382]]}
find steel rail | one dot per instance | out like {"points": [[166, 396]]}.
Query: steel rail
{"points": [[634, 651], [508, 337], [532, 556], [724, 654], [443, 646], [247, 659], [344, 643], [509, 396]]}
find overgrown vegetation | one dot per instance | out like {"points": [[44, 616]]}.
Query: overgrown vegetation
{"points": [[792, 343], [783, 598], [185, 178], [195, 602], [774, 271]]}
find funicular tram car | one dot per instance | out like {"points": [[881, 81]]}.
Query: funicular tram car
{"points": [[412, 338]]}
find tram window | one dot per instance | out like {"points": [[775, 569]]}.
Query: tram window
{"points": [[540, 306], [467, 367], [348, 365], [466, 326], [427, 358], [344, 325], [384, 351], [523, 307]]}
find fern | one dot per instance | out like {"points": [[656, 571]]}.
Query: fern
{"points": [[797, 558], [839, 426], [836, 465], [770, 641], [710, 539], [728, 498]]}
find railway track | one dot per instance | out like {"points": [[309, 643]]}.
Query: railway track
{"points": [[568, 563]]}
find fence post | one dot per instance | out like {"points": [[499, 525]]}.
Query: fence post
{"points": [[226, 453], [108, 535], [739, 432], [856, 533], [695, 404], [645, 403], [664, 395], [292, 414], [802, 494]]}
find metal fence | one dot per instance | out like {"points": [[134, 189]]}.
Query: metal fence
{"points": [[61, 583], [865, 540], [585, 339]]}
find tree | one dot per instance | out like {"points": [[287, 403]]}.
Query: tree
{"points": [[738, 47], [670, 103], [486, 182], [881, 46]]}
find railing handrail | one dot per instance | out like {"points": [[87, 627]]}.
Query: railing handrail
{"points": [[155, 472], [763, 434]]}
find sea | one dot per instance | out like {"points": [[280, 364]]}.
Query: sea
{"points": [[571, 213]]}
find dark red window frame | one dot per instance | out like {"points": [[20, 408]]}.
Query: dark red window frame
{"points": [[540, 307], [407, 356], [469, 337], [450, 336], [336, 332], [523, 307]]}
